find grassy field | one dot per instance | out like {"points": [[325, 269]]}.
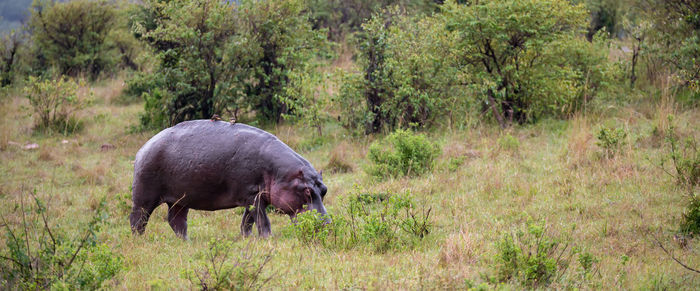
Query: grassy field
{"points": [[552, 171]]}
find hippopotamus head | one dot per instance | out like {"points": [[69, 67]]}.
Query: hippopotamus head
{"points": [[299, 191]]}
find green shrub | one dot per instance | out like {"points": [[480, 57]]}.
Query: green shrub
{"points": [[140, 84], [510, 50], [219, 268], [691, 218], [377, 221], [685, 161], [37, 255], [403, 153], [408, 78], [55, 103], [611, 140], [72, 36], [532, 257], [218, 56]]}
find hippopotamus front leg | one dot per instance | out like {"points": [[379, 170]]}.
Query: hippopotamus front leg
{"points": [[258, 216], [262, 221]]}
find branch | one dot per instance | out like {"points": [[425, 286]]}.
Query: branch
{"points": [[671, 255]]}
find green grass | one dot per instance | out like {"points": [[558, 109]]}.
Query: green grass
{"points": [[556, 173]]}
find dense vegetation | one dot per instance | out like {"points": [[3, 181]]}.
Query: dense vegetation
{"points": [[466, 144]]}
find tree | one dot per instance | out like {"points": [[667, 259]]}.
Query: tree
{"points": [[10, 45], [507, 46], [217, 56], [677, 27], [283, 41], [73, 35], [189, 38]]}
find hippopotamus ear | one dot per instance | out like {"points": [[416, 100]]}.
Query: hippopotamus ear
{"points": [[320, 173]]}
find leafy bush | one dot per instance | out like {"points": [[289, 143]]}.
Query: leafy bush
{"points": [[611, 140], [37, 255], [402, 153], [223, 56], [378, 221], [691, 218], [73, 35], [532, 257], [685, 158], [218, 269], [509, 48], [55, 103], [408, 76], [341, 17]]}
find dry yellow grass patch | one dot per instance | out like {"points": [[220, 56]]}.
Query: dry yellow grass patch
{"points": [[579, 142]]}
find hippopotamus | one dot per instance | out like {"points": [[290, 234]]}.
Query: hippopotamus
{"points": [[212, 165]]}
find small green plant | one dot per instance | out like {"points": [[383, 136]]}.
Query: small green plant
{"points": [[37, 255], [611, 140], [379, 221], [218, 269], [402, 153], [55, 103], [508, 142], [532, 257], [454, 163]]}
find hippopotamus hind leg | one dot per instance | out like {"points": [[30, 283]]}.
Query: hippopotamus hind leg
{"points": [[247, 222], [177, 218]]}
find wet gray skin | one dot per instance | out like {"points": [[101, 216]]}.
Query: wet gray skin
{"points": [[211, 165]]}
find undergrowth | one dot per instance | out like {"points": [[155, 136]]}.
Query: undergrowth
{"points": [[38, 255], [403, 153], [377, 221]]}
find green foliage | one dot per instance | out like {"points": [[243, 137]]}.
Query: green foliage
{"points": [[72, 36], [685, 161], [611, 140], [685, 158], [38, 255], [510, 48], [218, 268], [407, 78], [691, 218], [402, 153], [217, 56], [190, 39], [284, 44], [307, 99], [378, 221], [341, 17], [676, 39], [55, 103], [532, 257]]}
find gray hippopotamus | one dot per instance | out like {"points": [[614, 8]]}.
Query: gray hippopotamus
{"points": [[211, 165]]}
